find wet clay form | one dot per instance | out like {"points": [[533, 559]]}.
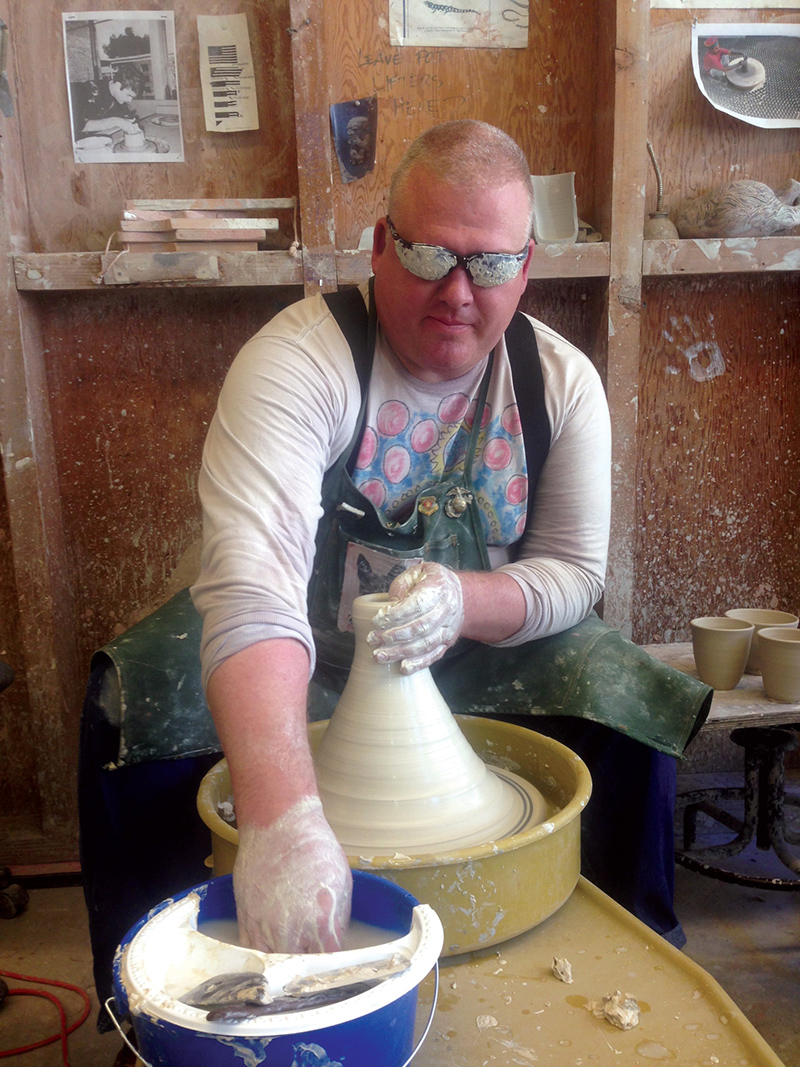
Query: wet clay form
{"points": [[396, 773], [134, 140], [761, 618], [740, 209]]}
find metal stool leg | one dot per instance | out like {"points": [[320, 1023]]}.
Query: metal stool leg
{"points": [[764, 800]]}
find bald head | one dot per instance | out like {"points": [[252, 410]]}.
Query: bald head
{"points": [[464, 153]]}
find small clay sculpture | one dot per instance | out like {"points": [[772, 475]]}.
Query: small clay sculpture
{"points": [[740, 209]]}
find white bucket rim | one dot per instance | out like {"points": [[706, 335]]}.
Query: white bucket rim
{"points": [[146, 1001]]}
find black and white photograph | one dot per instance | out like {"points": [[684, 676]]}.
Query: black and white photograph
{"points": [[123, 87], [751, 72]]}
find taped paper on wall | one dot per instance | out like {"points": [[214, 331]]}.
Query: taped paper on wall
{"points": [[750, 71], [226, 73], [459, 23]]}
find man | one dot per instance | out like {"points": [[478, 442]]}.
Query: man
{"points": [[716, 59], [105, 106], [450, 263]]}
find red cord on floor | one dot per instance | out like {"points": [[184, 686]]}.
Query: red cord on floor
{"points": [[64, 1030]]}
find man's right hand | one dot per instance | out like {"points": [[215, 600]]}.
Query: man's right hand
{"points": [[292, 883]]}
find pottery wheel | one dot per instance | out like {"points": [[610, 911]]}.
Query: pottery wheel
{"points": [[527, 809], [749, 74]]}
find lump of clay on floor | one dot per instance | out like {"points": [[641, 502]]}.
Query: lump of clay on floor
{"points": [[562, 969], [618, 1008]]}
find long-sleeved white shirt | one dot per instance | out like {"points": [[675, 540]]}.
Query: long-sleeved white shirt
{"points": [[286, 412]]}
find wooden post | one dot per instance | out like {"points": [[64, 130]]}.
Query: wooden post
{"points": [[625, 299], [41, 566], [312, 124]]}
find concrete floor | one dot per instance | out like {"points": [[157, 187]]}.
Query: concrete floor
{"points": [[748, 939]]}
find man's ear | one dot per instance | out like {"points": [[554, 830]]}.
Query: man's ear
{"points": [[379, 240], [527, 264]]}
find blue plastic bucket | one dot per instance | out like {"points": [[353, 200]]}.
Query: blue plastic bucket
{"points": [[372, 1029]]}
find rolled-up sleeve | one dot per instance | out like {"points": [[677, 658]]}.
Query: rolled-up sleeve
{"points": [[287, 406]]}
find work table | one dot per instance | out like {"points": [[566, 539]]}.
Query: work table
{"points": [[504, 1005]]}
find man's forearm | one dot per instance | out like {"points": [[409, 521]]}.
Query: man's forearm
{"points": [[258, 700], [494, 606]]}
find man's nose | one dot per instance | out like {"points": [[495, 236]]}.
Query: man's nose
{"points": [[456, 287]]}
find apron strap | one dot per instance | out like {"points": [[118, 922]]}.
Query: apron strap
{"points": [[526, 373]]}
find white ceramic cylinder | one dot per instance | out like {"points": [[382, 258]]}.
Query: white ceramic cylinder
{"points": [[395, 771], [721, 647], [780, 663], [555, 210], [760, 617]]}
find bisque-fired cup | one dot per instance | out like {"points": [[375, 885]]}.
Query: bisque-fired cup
{"points": [[780, 663], [721, 646], [761, 618]]}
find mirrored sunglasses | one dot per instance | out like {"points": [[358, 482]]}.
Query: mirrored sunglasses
{"points": [[432, 262]]}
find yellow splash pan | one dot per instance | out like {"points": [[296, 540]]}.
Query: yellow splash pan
{"points": [[484, 894]]}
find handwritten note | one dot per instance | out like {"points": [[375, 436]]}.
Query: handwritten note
{"points": [[459, 23]]}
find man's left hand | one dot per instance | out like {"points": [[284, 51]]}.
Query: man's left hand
{"points": [[422, 621]]}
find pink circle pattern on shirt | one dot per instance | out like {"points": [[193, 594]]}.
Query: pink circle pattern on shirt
{"points": [[396, 464], [469, 418], [375, 491], [510, 420], [453, 408], [368, 449], [424, 435], [497, 454], [393, 418]]}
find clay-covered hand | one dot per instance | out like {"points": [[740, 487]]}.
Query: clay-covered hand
{"points": [[423, 619], [292, 883]]}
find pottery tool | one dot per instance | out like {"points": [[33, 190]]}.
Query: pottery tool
{"points": [[204, 972], [283, 974]]}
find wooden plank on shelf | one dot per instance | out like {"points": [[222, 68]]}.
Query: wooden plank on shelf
{"points": [[203, 222], [137, 267], [44, 272], [225, 204], [226, 223], [734, 255]]}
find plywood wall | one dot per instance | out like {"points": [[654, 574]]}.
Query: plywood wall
{"points": [[719, 470], [544, 96], [74, 207], [719, 432]]}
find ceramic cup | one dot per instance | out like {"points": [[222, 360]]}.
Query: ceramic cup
{"points": [[779, 647], [760, 618], [721, 646]]}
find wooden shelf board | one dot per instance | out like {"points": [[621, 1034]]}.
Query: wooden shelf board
{"points": [[733, 255], [42, 272], [577, 261]]}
